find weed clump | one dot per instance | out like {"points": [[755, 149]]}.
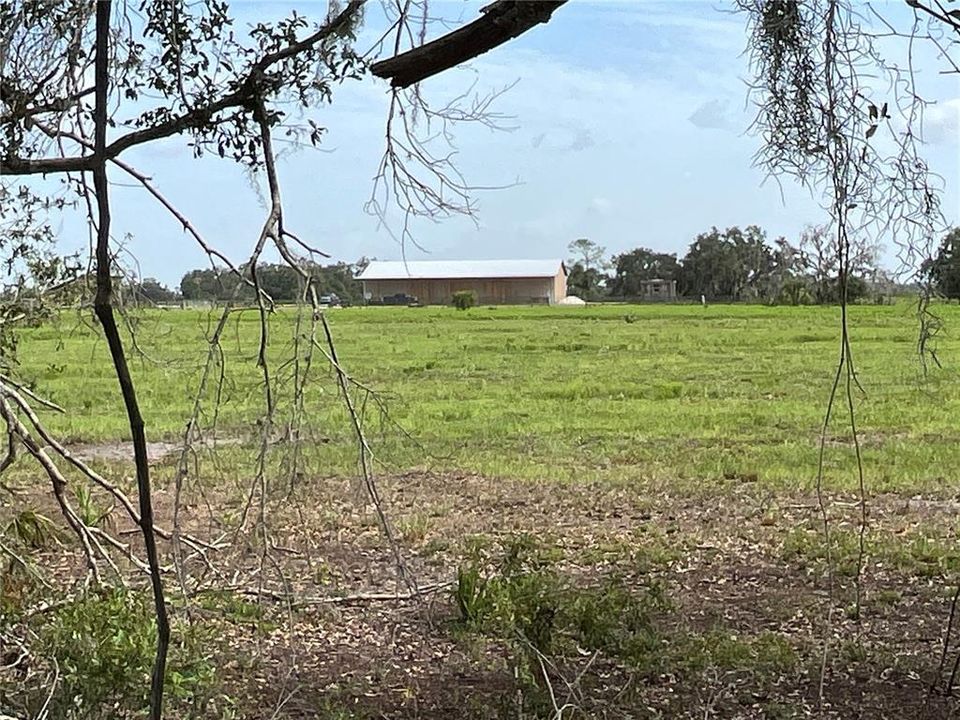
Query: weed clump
{"points": [[104, 643], [518, 594], [464, 299]]}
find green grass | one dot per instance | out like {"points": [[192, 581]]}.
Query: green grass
{"points": [[693, 397], [912, 554]]}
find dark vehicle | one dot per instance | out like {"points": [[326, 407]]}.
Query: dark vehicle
{"points": [[399, 299]]}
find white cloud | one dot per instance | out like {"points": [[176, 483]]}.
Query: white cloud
{"points": [[941, 123], [713, 115], [600, 206]]}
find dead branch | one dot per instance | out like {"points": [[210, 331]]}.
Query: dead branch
{"points": [[190, 434], [365, 455], [501, 21], [59, 483], [11, 455], [115, 492], [352, 599], [947, 636], [31, 394], [24, 564]]}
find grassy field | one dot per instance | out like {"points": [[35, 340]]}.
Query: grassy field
{"points": [[689, 396], [614, 507]]}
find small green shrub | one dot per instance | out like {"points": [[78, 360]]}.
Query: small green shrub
{"points": [[31, 529], [521, 594], [618, 622], [470, 594], [464, 299], [414, 528], [765, 654], [104, 645], [90, 513], [236, 609], [513, 593]]}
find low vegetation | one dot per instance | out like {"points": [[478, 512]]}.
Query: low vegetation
{"points": [[685, 396], [464, 299], [608, 510]]}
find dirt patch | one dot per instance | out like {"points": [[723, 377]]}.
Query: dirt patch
{"points": [[738, 567], [122, 452], [119, 452], [722, 559]]}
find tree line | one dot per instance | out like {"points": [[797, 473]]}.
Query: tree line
{"points": [[729, 265], [743, 265], [280, 281]]}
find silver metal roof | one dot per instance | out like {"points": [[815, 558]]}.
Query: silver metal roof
{"points": [[462, 269]]}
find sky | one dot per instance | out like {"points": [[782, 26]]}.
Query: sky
{"points": [[628, 124]]}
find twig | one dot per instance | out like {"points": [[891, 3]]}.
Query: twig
{"points": [[31, 394], [45, 708], [59, 483], [355, 598], [89, 472], [365, 454], [24, 564], [946, 648], [11, 455]]}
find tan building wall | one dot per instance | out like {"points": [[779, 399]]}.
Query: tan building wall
{"points": [[489, 291], [560, 286]]}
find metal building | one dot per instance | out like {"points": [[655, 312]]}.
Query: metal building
{"points": [[493, 282]]}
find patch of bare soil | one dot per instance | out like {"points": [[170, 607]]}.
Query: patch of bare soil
{"points": [[743, 565], [117, 452]]}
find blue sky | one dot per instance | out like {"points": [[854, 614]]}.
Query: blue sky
{"points": [[629, 127]]}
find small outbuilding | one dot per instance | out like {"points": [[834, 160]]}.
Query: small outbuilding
{"points": [[493, 282], [658, 289]]}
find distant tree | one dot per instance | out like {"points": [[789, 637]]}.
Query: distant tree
{"points": [[734, 264], [707, 267], [587, 253], [786, 283], [944, 269], [632, 268], [586, 283], [281, 282], [819, 260], [587, 277], [794, 291], [210, 285], [339, 279], [153, 291]]}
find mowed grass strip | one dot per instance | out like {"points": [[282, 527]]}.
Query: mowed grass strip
{"points": [[688, 396]]}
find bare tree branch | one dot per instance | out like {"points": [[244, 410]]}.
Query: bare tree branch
{"points": [[502, 20]]}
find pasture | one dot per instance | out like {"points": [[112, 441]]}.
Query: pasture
{"points": [[643, 477], [677, 396]]}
